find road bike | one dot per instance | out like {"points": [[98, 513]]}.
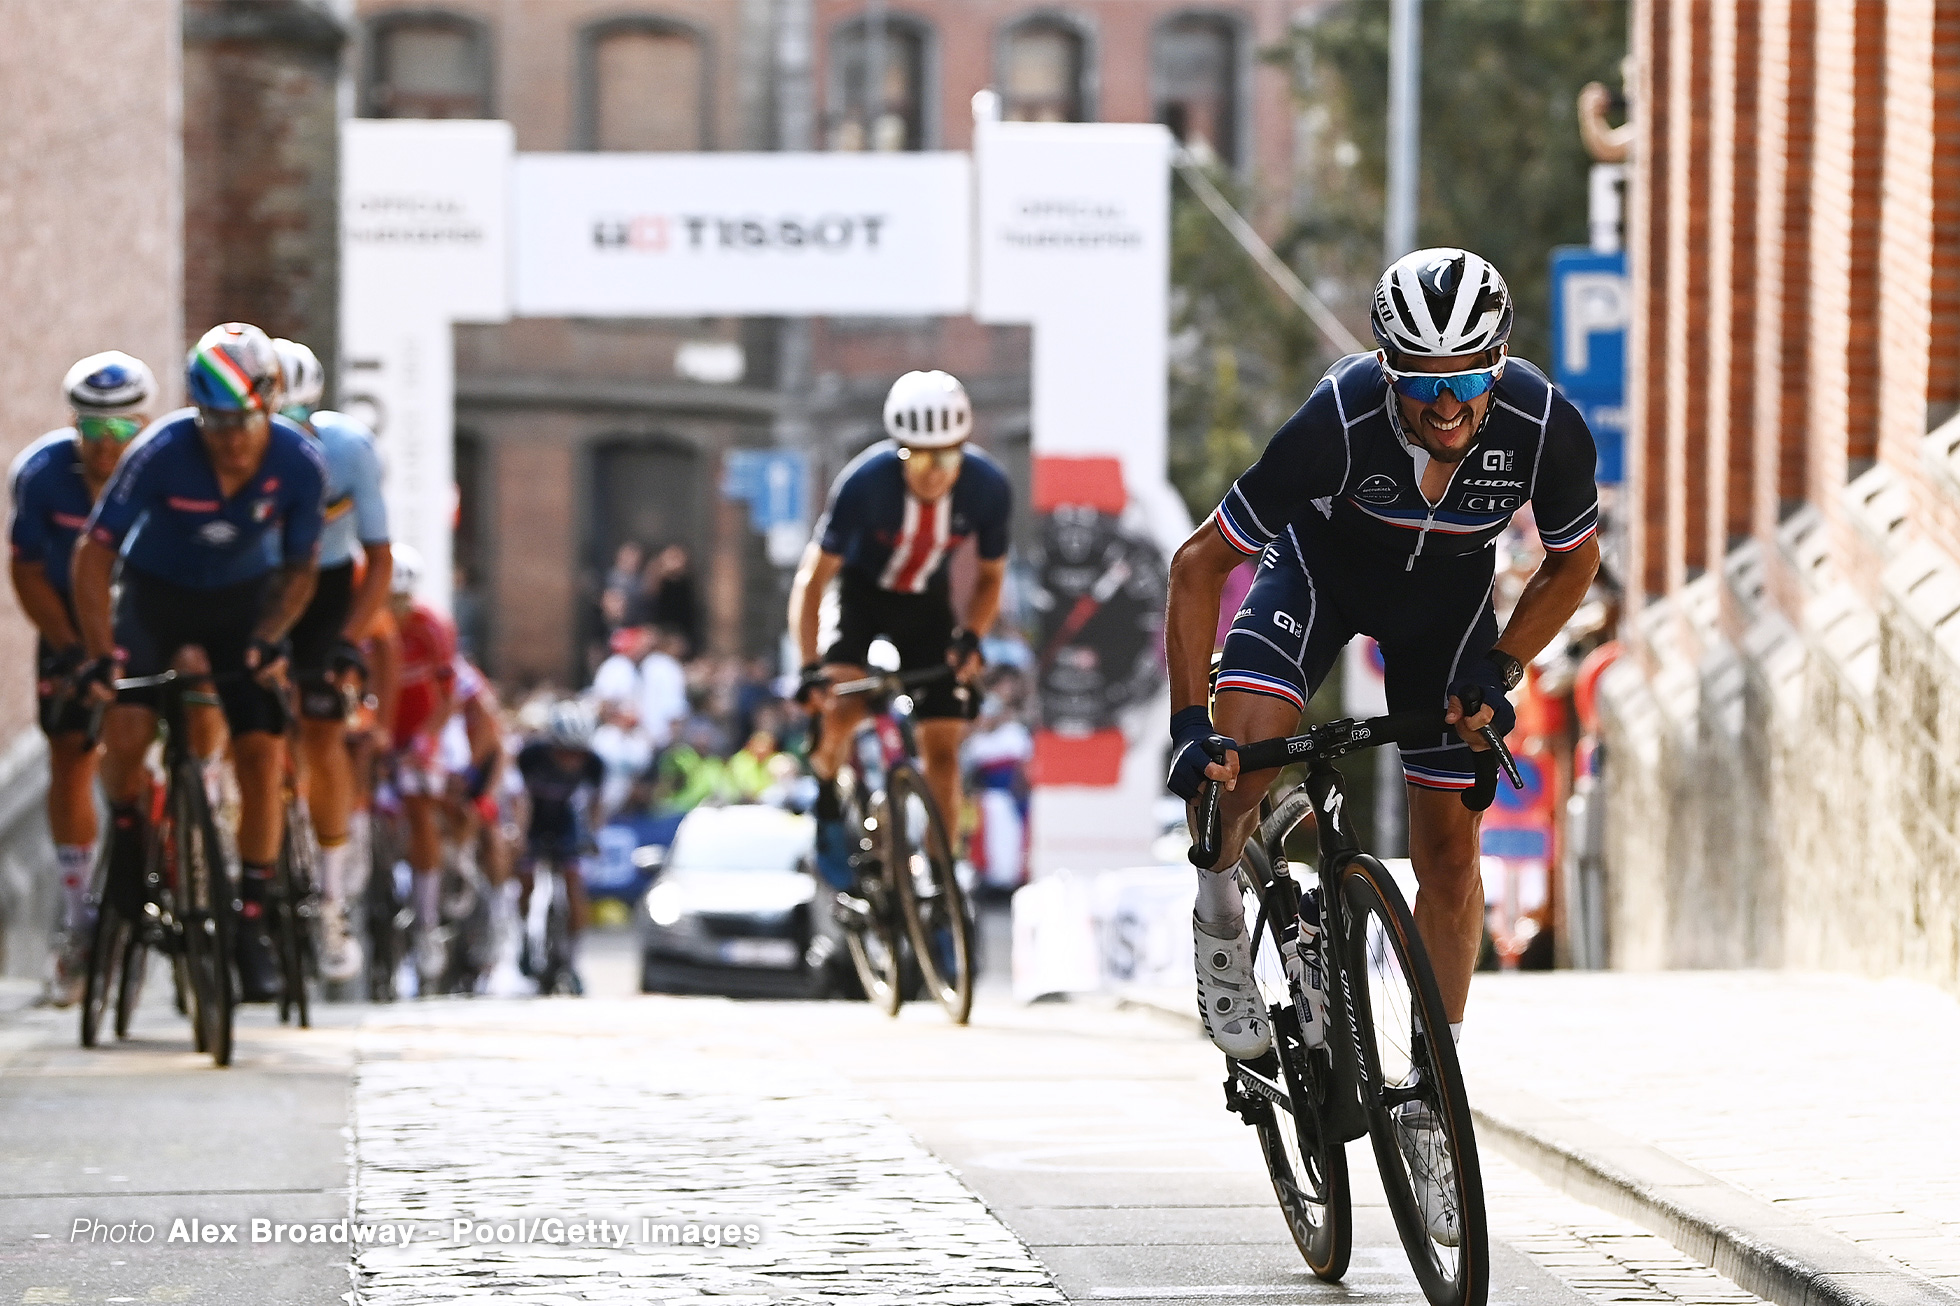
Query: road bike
{"points": [[1361, 1041], [907, 919], [547, 955], [184, 906]]}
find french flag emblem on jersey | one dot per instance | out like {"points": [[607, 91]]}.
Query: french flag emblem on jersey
{"points": [[922, 542]]}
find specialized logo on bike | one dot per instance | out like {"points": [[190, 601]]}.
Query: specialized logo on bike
{"points": [[1377, 489], [217, 532]]}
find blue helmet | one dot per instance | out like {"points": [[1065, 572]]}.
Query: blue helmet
{"points": [[109, 384], [233, 369]]}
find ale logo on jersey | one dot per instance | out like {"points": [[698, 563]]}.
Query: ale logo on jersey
{"points": [[1377, 489]]}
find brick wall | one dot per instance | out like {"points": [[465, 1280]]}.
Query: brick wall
{"points": [[261, 169], [1784, 745]]}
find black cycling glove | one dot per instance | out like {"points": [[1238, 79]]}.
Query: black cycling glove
{"points": [[96, 671], [1488, 678], [810, 681], [1194, 744], [266, 652], [963, 645], [347, 658]]}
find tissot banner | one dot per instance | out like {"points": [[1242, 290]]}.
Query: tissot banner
{"points": [[651, 235]]}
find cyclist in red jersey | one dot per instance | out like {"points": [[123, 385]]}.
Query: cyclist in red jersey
{"points": [[424, 701]]}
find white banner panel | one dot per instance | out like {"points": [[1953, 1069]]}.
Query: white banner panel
{"points": [[652, 235], [424, 211]]}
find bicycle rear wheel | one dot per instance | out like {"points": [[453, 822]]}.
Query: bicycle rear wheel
{"points": [[207, 918], [918, 854], [1418, 1113], [1308, 1166], [291, 918], [107, 948]]}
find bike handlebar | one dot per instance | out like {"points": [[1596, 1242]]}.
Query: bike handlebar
{"points": [[897, 681], [1339, 738]]}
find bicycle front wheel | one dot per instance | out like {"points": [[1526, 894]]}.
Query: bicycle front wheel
{"points": [[1418, 1113], [292, 915], [871, 935], [918, 855], [1308, 1166], [208, 921], [107, 949]]}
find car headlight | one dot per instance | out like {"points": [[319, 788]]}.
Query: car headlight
{"points": [[665, 905]]}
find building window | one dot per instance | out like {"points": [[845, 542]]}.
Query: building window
{"points": [[1194, 74], [889, 52], [1044, 67], [645, 85], [428, 65]]}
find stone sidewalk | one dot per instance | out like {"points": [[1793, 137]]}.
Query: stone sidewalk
{"points": [[1814, 1116]]}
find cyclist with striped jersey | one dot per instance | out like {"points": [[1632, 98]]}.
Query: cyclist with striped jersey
{"points": [[895, 517]]}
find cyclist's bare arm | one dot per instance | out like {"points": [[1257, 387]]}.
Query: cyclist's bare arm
{"points": [[372, 593], [984, 606], [813, 577], [1198, 572], [290, 592], [1553, 594], [43, 605], [95, 562]]}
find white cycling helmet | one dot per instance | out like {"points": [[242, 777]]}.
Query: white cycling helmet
{"points": [[408, 570], [928, 410], [1440, 303], [109, 384], [569, 725], [299, 368]]}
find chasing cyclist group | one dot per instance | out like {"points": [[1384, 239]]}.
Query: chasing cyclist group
{"points": [[243, 538], [250, 527]]}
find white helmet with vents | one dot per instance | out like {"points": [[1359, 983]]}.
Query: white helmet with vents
{"points": [[299, 368], [928, 410], [1440, 303]]}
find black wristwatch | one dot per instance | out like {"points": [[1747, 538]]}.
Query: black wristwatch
{"points": [[1507, 666]]}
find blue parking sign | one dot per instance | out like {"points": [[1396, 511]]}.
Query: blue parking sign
{"points": [[773, 482], [1592, 306]]}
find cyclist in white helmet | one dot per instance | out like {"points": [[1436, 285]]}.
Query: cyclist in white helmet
{"points": [[1373, 510], [896, 516], [326, 648], [55, 483]]}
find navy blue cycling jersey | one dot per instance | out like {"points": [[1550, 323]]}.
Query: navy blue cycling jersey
{"points": [[886, 533], [164, 512], [51, 504], [1341, 468]]}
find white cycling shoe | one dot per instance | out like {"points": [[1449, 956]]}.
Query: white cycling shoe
{"points": [[340, 952], [1427, 1153], [1228, 1001]]}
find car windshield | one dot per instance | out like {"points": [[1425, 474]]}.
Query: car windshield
{"points": [[735, 840]]}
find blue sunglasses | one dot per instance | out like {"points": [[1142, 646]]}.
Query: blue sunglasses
{"points": [[1428, 387]]}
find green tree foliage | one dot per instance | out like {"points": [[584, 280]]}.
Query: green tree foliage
{"points": [[1503, 173], [1503, 169]]}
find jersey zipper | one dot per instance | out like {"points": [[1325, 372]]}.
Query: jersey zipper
{"points": [[1428, 520]]}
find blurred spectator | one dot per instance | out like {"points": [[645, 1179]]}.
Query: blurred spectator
{"points": [[668, 597], [663, 687], [759, 772], [622, 585], [618, 680], [996, 757], [690, 771]]}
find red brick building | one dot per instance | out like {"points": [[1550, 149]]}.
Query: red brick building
{"points": [[1784, 738], [574, 435]]}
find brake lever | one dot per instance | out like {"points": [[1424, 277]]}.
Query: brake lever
{"points": [[1504, 758]]}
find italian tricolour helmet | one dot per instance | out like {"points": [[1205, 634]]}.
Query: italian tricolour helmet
{"points": [[234, 368], [305, 381], [1440, 303], [928, 410], [109, 384]]}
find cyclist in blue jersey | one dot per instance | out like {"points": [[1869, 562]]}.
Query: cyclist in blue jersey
{"points": [[55, 482], [326, 652], [1374, 510], [895, 517], [189, 512]]}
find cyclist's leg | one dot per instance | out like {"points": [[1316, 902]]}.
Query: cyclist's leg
{"points": [[1448, 625], [1281, 645], [921, 627], [71, 820]]}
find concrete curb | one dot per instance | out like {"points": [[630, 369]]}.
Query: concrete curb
{"points": [[1775, 1254]]}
